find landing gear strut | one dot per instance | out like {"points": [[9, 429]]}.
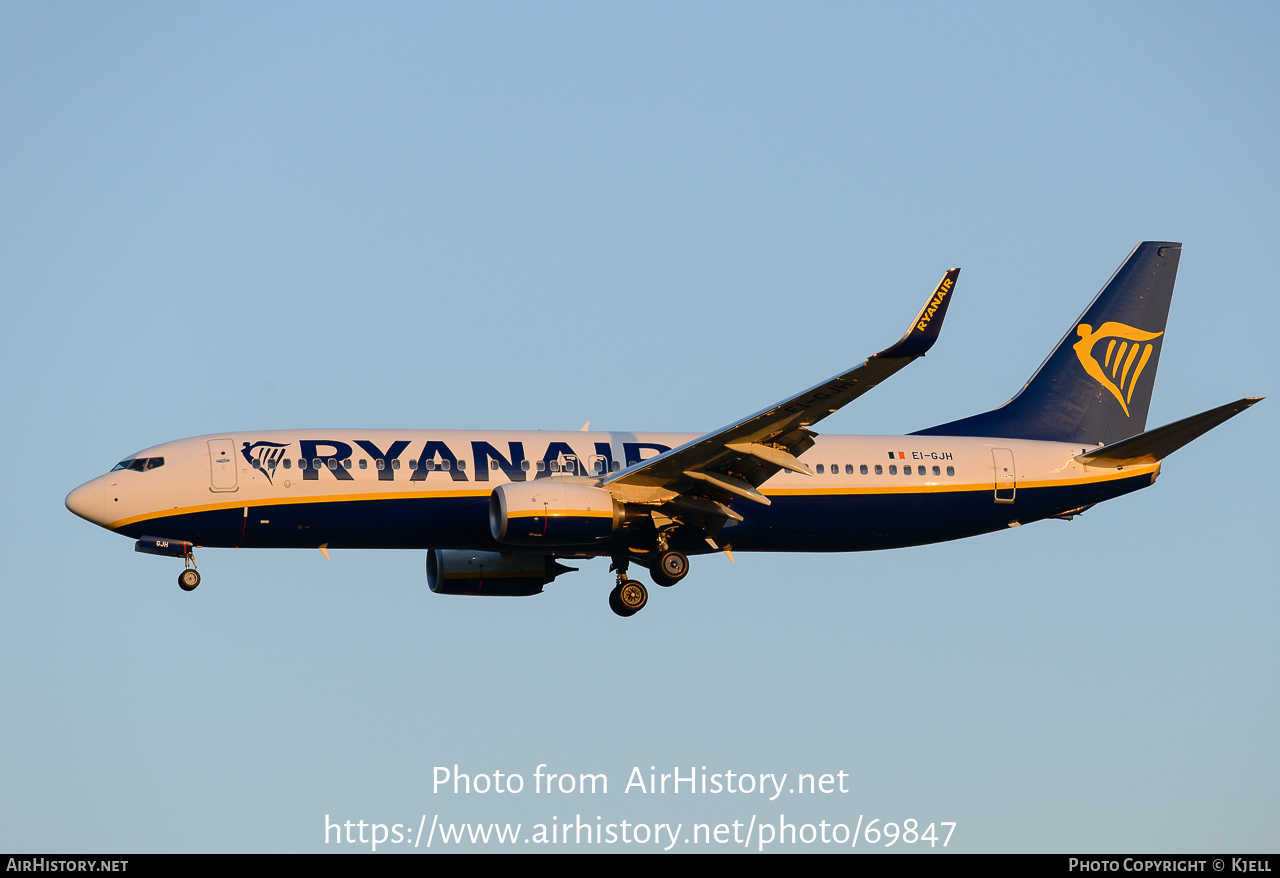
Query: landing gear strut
{"points": [[672, 567], [628, 596], [189, 578]]}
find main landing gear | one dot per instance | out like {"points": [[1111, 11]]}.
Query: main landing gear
{"points": [[628, 596], [672, 567]]}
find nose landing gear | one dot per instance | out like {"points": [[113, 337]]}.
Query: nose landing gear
{"points": [[189, 578]]}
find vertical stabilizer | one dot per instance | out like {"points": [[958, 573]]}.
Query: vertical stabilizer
{"points": [[1096, 385]]}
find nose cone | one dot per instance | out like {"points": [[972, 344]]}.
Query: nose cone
{"points": [[89, 501]]}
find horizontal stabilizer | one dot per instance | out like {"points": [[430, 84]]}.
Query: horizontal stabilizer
{"points": [[1155, 445]]}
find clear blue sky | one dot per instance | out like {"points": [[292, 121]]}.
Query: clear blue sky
{"points": [[222, 217]]}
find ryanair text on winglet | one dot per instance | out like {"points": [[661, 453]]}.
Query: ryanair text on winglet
{"points": [[935, 303]]}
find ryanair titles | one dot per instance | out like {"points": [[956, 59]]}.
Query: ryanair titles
{"points": [[338, 458]]}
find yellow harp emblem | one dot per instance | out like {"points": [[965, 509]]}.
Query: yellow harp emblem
{"points": [[1125, 346]]}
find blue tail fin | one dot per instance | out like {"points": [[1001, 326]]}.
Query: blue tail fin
{"points": [[1096, 385]]}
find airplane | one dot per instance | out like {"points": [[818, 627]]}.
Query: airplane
{"points": [[498, 512]]}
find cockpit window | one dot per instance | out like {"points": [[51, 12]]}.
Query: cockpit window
{"points": [[139, 464]]}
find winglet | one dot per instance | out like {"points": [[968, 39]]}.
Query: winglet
{"points": [[928, 323]]}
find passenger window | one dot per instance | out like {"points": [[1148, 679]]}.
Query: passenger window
{"points": [[879, 470], [347, 463], [395, 464], [919, 470], [819, 469], [951, 470], [444, 465], [364, 464], [462, 464], [863, 469], [555, 466], [333, 464], [493, 464], [848, 469], [893, 470], [413, 464], [936, 471], [835, 469], [617, 466], [524, 465], [542, 465], [316, 463], [287, 463], [380, 463]]}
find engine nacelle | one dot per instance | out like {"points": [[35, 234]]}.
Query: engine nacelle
{"points": [[552, 513], [496, 574]]}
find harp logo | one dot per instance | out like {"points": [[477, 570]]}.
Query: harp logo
{"points": [[1127, 353], [264, 457]]}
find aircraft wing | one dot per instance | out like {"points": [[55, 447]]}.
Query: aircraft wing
{"points": [[735, 460]]}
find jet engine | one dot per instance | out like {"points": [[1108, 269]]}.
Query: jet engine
{"points": [[552, 513], [498, 574]]}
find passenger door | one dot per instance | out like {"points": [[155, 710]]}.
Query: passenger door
{"points": [[222, 465]]}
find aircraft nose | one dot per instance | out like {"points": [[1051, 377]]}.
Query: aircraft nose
{"points": [[89, 501]]}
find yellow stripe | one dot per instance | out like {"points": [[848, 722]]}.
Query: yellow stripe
{"points": [[972, 486], [1142, 364], [558, 513], [1124, 373]]}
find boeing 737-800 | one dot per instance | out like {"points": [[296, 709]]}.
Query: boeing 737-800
{"points": [[498, 512]]}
